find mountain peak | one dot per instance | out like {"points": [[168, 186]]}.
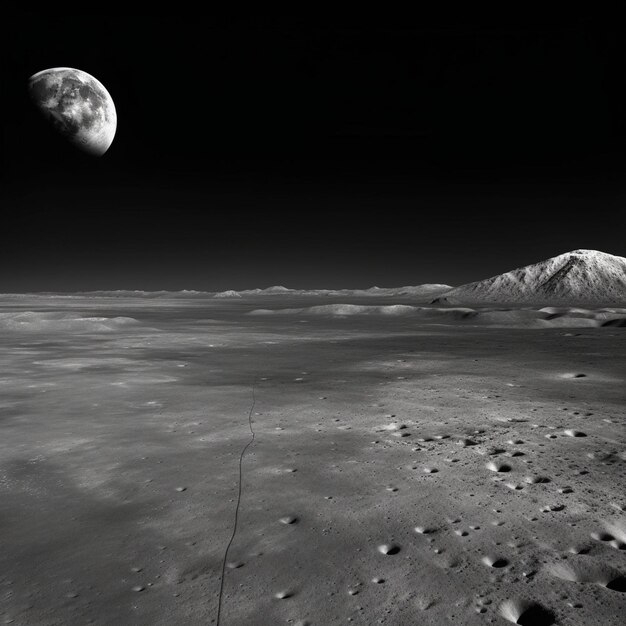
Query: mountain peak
{"points": [[585, 251]]}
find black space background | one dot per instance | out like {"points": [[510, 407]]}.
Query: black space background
{"points": [[313, 153]]}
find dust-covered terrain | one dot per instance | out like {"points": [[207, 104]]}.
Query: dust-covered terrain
{"points": [[417, 465]]}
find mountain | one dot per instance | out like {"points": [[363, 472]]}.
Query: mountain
{"points": [[229, 293], [428, 290], [580, 276], [421, 291]]}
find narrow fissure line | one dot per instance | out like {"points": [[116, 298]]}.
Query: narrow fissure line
{"points": [[232, 537]]}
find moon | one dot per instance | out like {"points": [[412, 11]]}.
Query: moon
{"points": [[77, 105]]}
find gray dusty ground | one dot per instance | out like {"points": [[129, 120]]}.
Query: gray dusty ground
{"points": [[402, 473]]}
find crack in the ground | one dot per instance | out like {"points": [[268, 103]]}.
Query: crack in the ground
{"points": [[232, 537]]}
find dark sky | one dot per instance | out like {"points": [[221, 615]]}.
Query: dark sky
{"points": [[313, 154]]}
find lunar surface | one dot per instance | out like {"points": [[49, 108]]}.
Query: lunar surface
{"points": [[411, 464], [78, 106]]}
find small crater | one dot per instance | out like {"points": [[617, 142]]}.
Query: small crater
{"points": [[536, 480], [493, 561], [392, 427], [526, 613], [582, 571], [603, 536], [570, 432], [389, 549], [494, 451], [467, 442], [499, 467], [552, 507]]}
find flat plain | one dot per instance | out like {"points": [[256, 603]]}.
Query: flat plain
{"points": [[405, 469]]}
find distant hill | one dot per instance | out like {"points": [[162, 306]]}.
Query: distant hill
{"points": [[577, 277], [230, 293], [427, 290], [423, 291]]}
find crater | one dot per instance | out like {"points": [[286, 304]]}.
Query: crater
{"points": [[499, 467], [570, 432], [495, 561], [617, 584], [526, 613]]}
